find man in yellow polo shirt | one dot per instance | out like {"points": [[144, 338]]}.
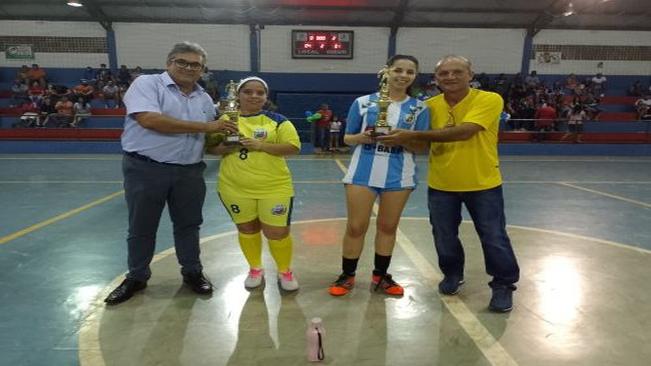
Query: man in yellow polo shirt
{"points": [[464, 169]]}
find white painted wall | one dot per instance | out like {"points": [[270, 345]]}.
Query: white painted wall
{"points": [[489, 50], [593, 38], [371, 48], [147, 44], [54, 29]]}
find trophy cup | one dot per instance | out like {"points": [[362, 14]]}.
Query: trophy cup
{"points": [[232, 110], [381, 126]]}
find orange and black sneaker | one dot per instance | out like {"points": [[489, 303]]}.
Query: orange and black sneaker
{"points": [[342, 285], [387, 284]]}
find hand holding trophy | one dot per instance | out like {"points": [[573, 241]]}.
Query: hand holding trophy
{"points": [[232, 110], [381, 126]]}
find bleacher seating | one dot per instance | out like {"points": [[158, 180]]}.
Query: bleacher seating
{"points": [[616, 123]]}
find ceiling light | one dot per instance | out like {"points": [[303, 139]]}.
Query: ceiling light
{"points": [[569, 11], [75, 3]]}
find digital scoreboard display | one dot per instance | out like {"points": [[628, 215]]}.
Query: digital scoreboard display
{"points": [[322, 44]]}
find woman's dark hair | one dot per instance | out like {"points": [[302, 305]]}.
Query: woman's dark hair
{"points": [[392, 60]]}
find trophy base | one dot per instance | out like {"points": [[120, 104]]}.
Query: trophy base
{"points": [[380, 131], [232, 140]]}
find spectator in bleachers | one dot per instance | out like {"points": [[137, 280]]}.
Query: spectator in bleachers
{"points": [[64, 112], [484, 81], [501, 85], [36, 92], [571, 82], [22, 74], [475, 83], [90, 75], [36, 73], [635, 90], [591, 105], [29, 115], [136, 72], [545, 119], [111, 92], [83, 90], [47, 109], [19, 92], [56, 91], [81, 111], [598, 84], [532, 80], [643, 107], [323, 127], [103, 76], [209, 83], [123, 77]]}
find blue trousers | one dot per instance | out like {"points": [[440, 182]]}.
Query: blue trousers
{"points": [[487, 211], [148, 187]]}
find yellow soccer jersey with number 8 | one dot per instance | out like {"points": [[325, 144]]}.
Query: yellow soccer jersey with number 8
{"points": [[257, 174]]}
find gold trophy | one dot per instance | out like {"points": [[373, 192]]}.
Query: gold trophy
{"points": [[381, 126], [232, 110]]}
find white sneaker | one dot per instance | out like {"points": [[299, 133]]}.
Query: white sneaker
{"points": [[255, 278], [287, 281]]}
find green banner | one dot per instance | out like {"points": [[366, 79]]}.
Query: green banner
{"points": [[19, 52]]}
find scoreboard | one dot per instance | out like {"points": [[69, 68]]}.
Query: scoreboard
{"points": [[335, 44]]}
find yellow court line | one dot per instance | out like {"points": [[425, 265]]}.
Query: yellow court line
{"points": [[486, 343], [57, 218], [643, 204]]}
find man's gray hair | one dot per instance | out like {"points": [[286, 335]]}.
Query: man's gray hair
{"points": [[449, 58], [187, 47]]}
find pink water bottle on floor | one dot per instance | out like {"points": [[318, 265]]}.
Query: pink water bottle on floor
{"points": [[315, 335]]}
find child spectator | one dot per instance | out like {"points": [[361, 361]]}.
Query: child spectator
{"points": [[575, 123], [335, 131], [81, 110]]}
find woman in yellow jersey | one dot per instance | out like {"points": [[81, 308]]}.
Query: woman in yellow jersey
{"points": [[255, 184]]}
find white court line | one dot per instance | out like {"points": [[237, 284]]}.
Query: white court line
{"points": [[491, 348], [640, 203]]}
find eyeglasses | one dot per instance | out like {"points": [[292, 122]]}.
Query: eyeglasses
{"points": [[183, 64]]}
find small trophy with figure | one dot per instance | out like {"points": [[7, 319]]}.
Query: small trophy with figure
{"points": [[232, 110], [381, 126]]}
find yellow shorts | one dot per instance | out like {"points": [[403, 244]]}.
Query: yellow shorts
{"points": [[270, 211]]}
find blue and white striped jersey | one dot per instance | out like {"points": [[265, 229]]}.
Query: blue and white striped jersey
{"points": [[377, 165]]}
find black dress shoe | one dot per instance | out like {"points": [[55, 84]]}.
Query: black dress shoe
{"points": [[198, 283], [124, 292]]}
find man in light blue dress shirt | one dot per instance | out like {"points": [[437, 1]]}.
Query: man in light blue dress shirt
{"points": [[163, 141]]}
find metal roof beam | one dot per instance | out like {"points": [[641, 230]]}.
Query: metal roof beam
{"points": [[98, 15]]}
